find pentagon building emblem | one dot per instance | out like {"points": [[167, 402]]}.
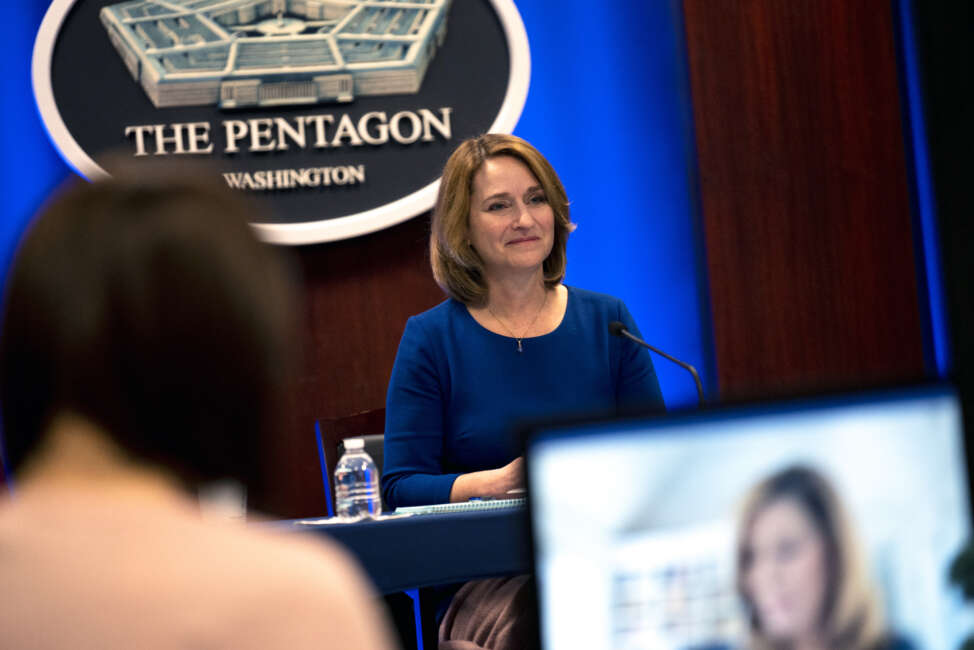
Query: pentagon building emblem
{"points": [[336, 115], [239, 53]]}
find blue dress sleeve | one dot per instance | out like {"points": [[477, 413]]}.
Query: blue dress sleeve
{"points": [[412, 471], [638, 387]]}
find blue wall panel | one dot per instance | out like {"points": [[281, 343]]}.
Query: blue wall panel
{"points": [[29, 167], [609, 106]]}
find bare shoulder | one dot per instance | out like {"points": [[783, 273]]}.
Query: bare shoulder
{"points": [[301, 591], [172, 579]]}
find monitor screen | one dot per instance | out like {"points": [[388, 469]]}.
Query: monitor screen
{"points": [[728, 528]]}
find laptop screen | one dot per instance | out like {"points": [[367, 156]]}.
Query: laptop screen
{"points": [[724, 529]]}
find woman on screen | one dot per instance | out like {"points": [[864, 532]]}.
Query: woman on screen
{"points": [[801, 577], [510, 343]]}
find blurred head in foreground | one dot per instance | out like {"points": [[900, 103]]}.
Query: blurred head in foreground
{"points": [[800, 573], [144, 306]]}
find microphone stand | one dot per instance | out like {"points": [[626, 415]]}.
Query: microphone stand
{"points": [[618, 329]]}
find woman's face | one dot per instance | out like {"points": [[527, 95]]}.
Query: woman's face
{"points": [[511, 222], [785, 576]]}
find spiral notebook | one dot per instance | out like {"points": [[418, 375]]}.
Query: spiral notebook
{"points": [[466, 506]]}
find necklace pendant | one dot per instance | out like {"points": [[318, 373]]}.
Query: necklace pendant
{"points": [[519, 348]]}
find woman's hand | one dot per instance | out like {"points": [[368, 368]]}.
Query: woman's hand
{"points": [[509, 477], [491, 483]]}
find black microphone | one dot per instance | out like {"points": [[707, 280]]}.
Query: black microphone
{"points": [[618, 329]]}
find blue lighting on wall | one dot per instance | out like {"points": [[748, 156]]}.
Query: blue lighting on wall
{"points": [[29, 167], [609, 106], [923, 189]]}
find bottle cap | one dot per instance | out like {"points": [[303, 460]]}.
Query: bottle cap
{"points": [[354, 443]]}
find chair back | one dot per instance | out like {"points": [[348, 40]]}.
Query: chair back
{"points": [[330, 433]]}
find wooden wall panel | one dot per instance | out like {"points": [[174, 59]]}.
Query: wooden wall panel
{"points": [[359, 293], [804, 194]]}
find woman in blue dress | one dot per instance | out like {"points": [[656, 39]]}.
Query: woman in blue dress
{"points": [[511, 343]]}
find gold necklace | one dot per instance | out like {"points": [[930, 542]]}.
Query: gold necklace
{"points": [[520, 348]]}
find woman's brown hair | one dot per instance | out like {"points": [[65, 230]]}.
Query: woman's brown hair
{"points": [[457, 267]]}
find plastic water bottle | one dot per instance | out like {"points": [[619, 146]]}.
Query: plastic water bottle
{"points": [[356, 483]]}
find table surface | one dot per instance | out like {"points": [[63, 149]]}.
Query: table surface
{"points": [[424, 550]]}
